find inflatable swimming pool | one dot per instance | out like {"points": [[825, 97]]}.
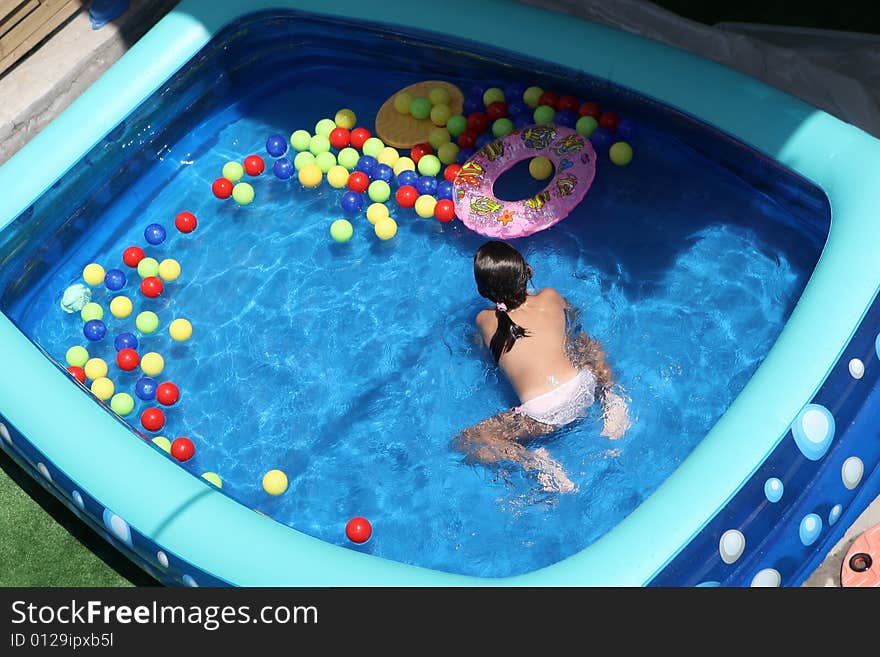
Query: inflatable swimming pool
{"points": [[769, 481]]}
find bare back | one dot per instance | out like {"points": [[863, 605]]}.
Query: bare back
{"points": [[538, 362]]}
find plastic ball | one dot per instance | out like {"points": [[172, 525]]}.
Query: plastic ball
{"points": [[502, 127], [464, 155], [451, 171], [182, 449], [383, 172], [114, 279], [300, 140], [152, 419], [367, 164], [518, 108], [440, 114], [169, 269], [590, 108], [352, 202], [324, 127], [213, 478], [484, 139], [388, 156], [325, 161], [167, 394], [548, 98], [407, 178], [147, 322], [385, 228], [243, 193], [358, 181], [514, 91], [310, 176], [402, 102], [94, 330], [358, 530], [152, 363], [609, 120], [448, 152], [91, 311], [254, 165], [148, 267], [276, 145], [319, 144], [145, 388], [376, 211], [274, 482], [420, 108], [585, 125], [154, 234], [186, 222], [102, 388], [340, 137], [402, 164], [444, 210], [493, 95], [152, 287], [456, 125], [121, 307], [345, 118], [337, 176], [531, 96], [379, 191], [467, 139], [77, 372], [602, 138], [426, 184], [122, 403], [373, 146], [359, 136], [620, 153], [283, 169], [303, 159], [439, 96], [77, 356], [523, 121], [125, 340], [233, 171], [568, 104], [438, 136], [127, 359], [478, 122], [627, 129], [444, 190], [95, 368], [473, 104], [429, 165], [341, 230], [180, 330], [425, 206], [93, 274], [496, 110], [565, 118], [540, 168], [162, 443], [544, 114], [133, 255], [406, 196]]}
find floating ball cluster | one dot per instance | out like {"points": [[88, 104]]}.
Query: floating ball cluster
{"points": [[231, 183]]}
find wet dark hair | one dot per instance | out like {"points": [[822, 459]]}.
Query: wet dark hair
{"points": [[502, 275]]}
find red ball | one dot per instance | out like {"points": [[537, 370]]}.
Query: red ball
{"points": [[186, 222], [254, 165], [467, 138], [167, 393], [222, 188], [358, 181], [417, 151], [359, 136], [182, 449], [609, 120], [451, 171], [496, 110], [357, 529], [153, 419], [133, 255], [569, 103], [340, 138], [477, 122], [548, 98], [78, 373], [406, 196], [590, 108], [444, 210], [127, 359], [152, 286]]}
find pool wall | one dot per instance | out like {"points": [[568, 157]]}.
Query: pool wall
{"points": [[674, 536]]}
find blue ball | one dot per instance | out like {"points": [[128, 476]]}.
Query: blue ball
{"points": [[95, 330], [145, 388], [283, 168], [367, 164], [114, 279], [125, 341], [426, 184], [444, 189], [484, 139], [154, 234], [514, 92], [602, 139], [473, 104], [565, 118], [522, 121], [464, 155], [627, 129], [383, 172], [352, 202], [478, 89], [517, 108], [407, 178], [276, 145]]}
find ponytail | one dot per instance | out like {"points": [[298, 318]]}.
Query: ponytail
{"points": [[506, 334]]}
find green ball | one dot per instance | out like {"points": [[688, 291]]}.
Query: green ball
{"points": [[491, 95], [439, 96], [456, 125], [233, 171], [379, 191], [420, 108], [148, 267], [448, 152], [300, 140], [122, 403], [243, 193], [303, 159], [620, 153], [348, 157], [76, 356], [319, 144], [325, 161], [324, 127], [402, 102], [532, 95], [438, 136], [429, 165], [502, 127], [341, 230], [91, 311], [440, 114], [147, 322], [373, 146], [544, 114], [585, 125]]}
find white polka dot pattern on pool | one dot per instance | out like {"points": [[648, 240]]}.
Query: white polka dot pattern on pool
{"points": [[732, 545], [4, 432], [43, 470], [856, 368], [162, 558], [768, 578], [813, 431], [117, 526], [773, 489], [811, 527], [189, 581], [851, 472], [77, 499], [834, 514]]}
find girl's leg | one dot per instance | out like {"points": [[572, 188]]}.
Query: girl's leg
{"points": [[585, 352]]}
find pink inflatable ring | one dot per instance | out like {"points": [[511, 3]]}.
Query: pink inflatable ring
{"points": [[480, 210]]}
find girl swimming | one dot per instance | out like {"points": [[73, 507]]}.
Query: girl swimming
{"points": [[556, 377]]}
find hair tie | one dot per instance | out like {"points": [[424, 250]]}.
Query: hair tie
{"points": [[501, 306]]}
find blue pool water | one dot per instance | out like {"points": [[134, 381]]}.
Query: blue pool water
{"points": [[351, 367]]}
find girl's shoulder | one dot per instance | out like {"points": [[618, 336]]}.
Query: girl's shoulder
{"points": [[550, 294]]}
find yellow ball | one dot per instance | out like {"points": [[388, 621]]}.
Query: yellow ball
{"points": [[162, 442], [310, 175], [93, 274], [385, 228], [275, 482], [540, 168], [388, 155], [425, 206], [345, 118], [121, 307], [214, 478], [376, 211], [620, 153], [169, 270], [338, 176], [180, 329], [403, 163], [95, 368], [152, 363], [103, 388]]}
